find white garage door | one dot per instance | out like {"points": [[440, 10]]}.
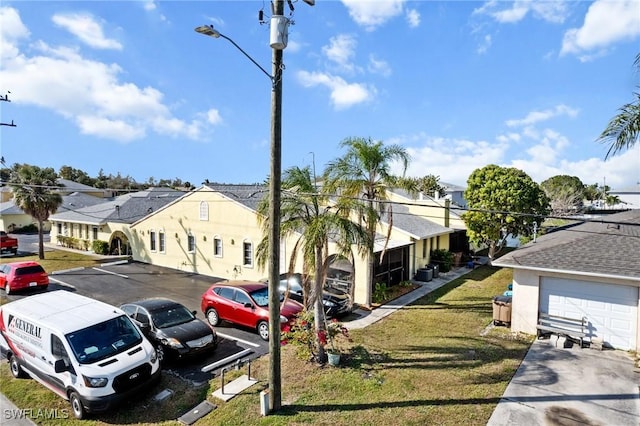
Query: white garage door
{"points": [[611, 310]]}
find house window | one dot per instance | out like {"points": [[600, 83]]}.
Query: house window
{"points": [[217, 246], [95, 232], [65, 229], [247, 253], [59, 228], [71, 226], [204, 210], [161, 241], [424, 248], [86, 232], [152, 240], [191, 243]]}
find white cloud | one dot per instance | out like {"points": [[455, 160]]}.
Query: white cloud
{"points": [[341, 50], [378, 66], [538, 116], [372, 14], [485, 45], [12, 30], [89, 93], [87, 29], [343, 94], [512, 12], [413, 18], [213, 116], [605, 23]]}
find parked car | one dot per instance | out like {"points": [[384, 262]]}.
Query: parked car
{"points": [[173, 329], [8, 243], [21, 275], [245, 303], [336, 302]]}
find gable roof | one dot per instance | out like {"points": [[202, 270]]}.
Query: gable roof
{"points": [[248, 195], [126, 208], [417, 227], [606, 247], [72, 201]]}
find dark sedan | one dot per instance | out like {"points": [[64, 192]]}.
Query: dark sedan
{"points": [[335, 302], [172, 328]]}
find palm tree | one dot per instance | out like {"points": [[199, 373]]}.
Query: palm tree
{"points": [[365, 172], [314, 222], [623, 131], [32, 193]]}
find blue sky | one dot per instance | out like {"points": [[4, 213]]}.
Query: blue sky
{"points": [[129, 87]]}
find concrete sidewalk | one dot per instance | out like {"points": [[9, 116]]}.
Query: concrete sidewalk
{"points": [[366, 318], [11, 415]]}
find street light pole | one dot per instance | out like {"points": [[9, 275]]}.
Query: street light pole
{"points": [[275, 186]]}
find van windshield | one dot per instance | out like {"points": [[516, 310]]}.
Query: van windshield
{"points": [[103, 340]]}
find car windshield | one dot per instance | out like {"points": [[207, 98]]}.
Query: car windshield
{"points": [[261, 297], [171, 316], [103, 340]]}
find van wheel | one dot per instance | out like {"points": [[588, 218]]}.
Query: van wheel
{"points": [[76, 406], [16, 370], [263, 330], [212, 317]]}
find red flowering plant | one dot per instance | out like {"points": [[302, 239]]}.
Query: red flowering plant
{"points": [[303, 335]]}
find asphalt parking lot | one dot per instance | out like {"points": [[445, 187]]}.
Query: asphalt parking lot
{"points": [[120, 282]]}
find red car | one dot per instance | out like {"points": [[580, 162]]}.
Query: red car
{"points": [[21, 275], [245, 303]]}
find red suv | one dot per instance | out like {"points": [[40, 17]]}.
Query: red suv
{"points": [[245, 303], [21, 275]]}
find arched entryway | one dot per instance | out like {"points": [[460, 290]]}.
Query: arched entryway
{"points": [[340, 273], [119, 244]]}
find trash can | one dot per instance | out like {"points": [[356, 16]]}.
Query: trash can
{"points": [[424, 274], [435, 268], [502, 310]]}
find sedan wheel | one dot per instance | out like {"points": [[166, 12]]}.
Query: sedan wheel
{"points": [[7, 288], [263, 330], [160, 353], [212, 317]]}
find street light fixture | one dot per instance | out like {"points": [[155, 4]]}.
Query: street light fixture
{"points": [[208, 30]]}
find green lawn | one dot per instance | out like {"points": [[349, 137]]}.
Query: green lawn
{"points": [[434, 362]]}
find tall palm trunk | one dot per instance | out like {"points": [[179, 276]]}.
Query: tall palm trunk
{"points": [[318, 314], [40, 240]]}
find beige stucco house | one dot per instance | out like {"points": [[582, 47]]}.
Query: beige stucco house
{"points": [[213, 230], [590, 270]]}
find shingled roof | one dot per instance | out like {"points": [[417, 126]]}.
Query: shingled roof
{"points": [[126, 208], [608, 246]]}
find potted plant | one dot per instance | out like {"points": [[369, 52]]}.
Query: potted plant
{"points": [[334, 329]]}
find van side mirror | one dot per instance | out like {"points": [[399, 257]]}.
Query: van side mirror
{"points": [[60, 366]]}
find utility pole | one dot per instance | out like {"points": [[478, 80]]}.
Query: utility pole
{"points": [[5, 98], [275, 184]]}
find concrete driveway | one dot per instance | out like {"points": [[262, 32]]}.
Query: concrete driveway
{"points": [[555, 385]]}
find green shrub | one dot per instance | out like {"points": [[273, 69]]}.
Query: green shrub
{"points": [[380, 293], [442, 257], [100, 247]]}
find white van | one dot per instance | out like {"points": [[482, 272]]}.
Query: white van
{"points": [[86, 351]]}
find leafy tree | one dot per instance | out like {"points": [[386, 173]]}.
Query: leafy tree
{"points": [[623, 131], [307, 216], [502, 201], [365, 172], [34, 192], [76, 175], [612, 200], [566, 194], [429, 185]]}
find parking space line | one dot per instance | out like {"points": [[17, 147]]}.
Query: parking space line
{"points": [[62, 283], [112, 273], [235, 339]]}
